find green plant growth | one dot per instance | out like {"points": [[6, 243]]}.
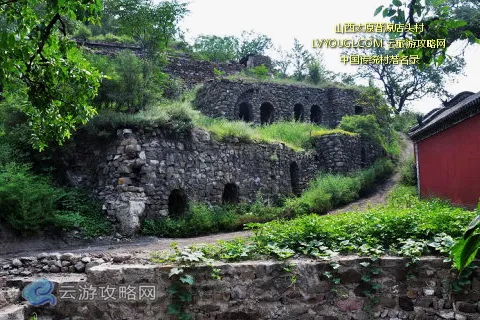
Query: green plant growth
{"points": [[260, 72], [466, 248]]}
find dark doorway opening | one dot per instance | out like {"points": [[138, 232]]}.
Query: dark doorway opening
{"points": [[316, 114], [177, 203], [295, 178], [230, 193], [298, 112], [245, 112], [363, 156], [358, 110], [266, 113]]}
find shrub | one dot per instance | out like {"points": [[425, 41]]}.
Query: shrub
{"points": [[408, 171], [367, 126], [27, 202], [260, 72]]}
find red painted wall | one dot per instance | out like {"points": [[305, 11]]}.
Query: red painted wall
{"points": [[449, 163]]}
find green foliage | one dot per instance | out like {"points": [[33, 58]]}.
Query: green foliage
{"points": [[27, 202], [30, 203], [442, 20], [131, 84], [203, 219], [153, 25], [404, 216], [253, 43], [260, 72], [215, 48], [44, 68], [367, 126], [329, 191], [466, 248], [301, 58], [405, 120], [408, 171], [110, 37]]}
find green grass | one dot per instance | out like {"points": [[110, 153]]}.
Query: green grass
{"points": [[180, 116], [244, 76]]}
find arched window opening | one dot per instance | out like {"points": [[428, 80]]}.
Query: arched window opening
{"points": [[298, 112], [295, 178], [266, 113], [245, 112], [230, 193], [177, 203], [316, 114], [358, 110]]}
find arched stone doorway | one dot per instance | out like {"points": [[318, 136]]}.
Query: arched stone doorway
{"points": [[295, 178], [316, 114], [177, 203], [230, 193], [298, 112], [266, 113], [245, 112]]}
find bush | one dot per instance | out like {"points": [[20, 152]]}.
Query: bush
{"points": [[408, 171], [367, 126], [260, 72], [27, 202]]}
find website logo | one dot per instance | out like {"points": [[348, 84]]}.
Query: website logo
{"points": [[39, 293]]}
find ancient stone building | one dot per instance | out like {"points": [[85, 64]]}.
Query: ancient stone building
{"points": [[264, 103]]}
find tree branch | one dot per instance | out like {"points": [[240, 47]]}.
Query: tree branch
{"points": [[44, 38]]}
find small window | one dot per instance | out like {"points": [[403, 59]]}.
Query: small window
{"points": [[358, 110]]}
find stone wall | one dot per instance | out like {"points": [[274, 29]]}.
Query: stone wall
{"points": [[148, 173], [264, 290], [269, 102], [343, 153], [193, 72]]}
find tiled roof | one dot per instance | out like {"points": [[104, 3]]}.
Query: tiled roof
{"points": [[461, 107]]}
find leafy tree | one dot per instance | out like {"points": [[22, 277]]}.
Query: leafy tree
{"points": [[301, 58], [153, 25], [253, 43], [442, 19], [404, 83], [215, 48], [283, 62], [316, 69], [44, 68]]}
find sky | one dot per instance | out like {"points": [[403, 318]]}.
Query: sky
{"points": [[306, 20]]}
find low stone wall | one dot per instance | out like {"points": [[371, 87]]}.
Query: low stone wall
{"points": [[270, 102], [264, 290]]}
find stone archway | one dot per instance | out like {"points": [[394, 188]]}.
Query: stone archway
{"points": [[245, 112], [298, 112], [230, 193], [316, 114], [266, 113], [177, 203]]}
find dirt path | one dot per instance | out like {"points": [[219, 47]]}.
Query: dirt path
{"points": [[379, 196], [141, 247]]}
